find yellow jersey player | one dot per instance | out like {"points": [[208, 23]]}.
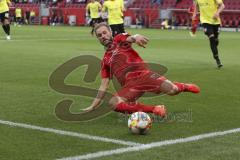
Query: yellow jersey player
{"points": [[4, 17], [18, 14], [210, 18], [93, 8], [32, 16], [115, 9]]}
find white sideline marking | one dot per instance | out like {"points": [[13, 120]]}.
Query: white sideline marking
{"points": [[69, 133], [76, 38], [150, 145], [39, 40]]}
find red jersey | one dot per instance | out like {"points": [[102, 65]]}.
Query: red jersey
{"points": [[191, 10], [122, 61]]}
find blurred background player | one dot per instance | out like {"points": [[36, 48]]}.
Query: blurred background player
{"points": [[32, 16], [27, 16], [18, 14], [210, 18], [194, 22], [4, 17], [123, 62], [164, 24], [115, 9], [93, 8]]}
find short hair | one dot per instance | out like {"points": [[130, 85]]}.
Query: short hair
{"points": [[100, 25]]}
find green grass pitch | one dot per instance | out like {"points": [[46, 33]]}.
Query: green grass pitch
{"points": [[27, 61]]}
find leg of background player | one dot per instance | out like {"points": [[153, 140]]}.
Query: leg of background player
{"points": [[6, 28], [213, 44]]}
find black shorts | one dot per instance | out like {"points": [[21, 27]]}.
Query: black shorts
{"points": [[210, 29], [95, 20], [4, 15], [117, 29]]}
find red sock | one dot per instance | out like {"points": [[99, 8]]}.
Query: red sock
{"points": [[127, 108], [194, 29], [194, 26], [184, 87]]}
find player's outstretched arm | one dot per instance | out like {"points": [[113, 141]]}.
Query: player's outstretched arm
{"points": [[9, 3], [221, 7], [101, 92], [138, 39]]}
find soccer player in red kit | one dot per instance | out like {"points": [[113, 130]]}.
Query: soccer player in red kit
{"points": [[123, 62], [194, 22]]}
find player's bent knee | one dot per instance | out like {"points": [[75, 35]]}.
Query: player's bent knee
{"points": [[168, 87], [6, 21], [210, 36], [173, 91], [113, 102]]}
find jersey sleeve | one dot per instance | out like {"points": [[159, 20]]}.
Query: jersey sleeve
{"points": [[219, 1], [105, 71], [121, 37]]}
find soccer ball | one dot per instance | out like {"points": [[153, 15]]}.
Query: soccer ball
{"points": [[139, 123]]}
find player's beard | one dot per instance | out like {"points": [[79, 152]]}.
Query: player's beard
{"points": [[107, 42]]}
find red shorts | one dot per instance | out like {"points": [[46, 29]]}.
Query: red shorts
{"points": [[136, 87]]}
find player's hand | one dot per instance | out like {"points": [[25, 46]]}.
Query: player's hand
{"points": [[141, 40], [88, 109], [216, 16]]}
